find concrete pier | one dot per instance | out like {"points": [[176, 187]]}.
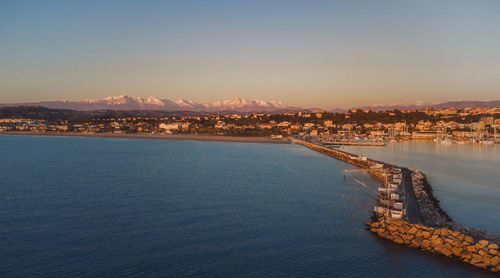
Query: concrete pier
{"points": [[412, 211]]}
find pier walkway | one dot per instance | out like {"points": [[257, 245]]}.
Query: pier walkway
{"points": [[412, 212]]}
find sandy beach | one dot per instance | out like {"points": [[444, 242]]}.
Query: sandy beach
{"points": [[196, 137]]}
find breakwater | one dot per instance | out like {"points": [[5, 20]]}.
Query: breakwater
{"points": [[352, 143], [480, 253], [433, 215], [432, 229]]}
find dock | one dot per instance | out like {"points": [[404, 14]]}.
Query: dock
{"points": [[354, 143]]}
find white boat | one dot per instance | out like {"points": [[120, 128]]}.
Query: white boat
{"points": [[395, 196], [446, 142], [487, 142], [397, 176], [398, 205], [384, 190], [396, 214], [393, 185]]}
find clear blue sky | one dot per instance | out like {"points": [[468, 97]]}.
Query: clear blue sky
{"points": [[307, 53]]}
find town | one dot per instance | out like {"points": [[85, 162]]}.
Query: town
{"points": [[478, 124]]}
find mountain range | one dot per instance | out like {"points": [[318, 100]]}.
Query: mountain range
{"points": [[441, 105], [236, 104], [152, 103]]}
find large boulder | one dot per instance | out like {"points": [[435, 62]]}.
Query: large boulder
{"points": [[456, 251], [471, 249], [455, 234], [392, 228], [483, 243], [495, 261], [398, 240], [479, 247], [481, 265], [412, 230], [410, 236], [436, 242], [426, 244], [444, 231], [469, 239], [458, 243], [465, 256], [426, 234], [446, 251], [486, 259], [476, 257], [415, 243], [496, 269]]}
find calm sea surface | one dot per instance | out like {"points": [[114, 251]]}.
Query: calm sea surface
{"points": [[97, 207]]}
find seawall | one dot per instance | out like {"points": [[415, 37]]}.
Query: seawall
{"points": [[435, 231]]}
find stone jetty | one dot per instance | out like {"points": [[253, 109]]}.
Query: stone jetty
{"points": [[433, 215], [444, 241], [432, 229]]}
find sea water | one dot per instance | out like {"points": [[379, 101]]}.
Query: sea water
{"points": [[99, 207]]}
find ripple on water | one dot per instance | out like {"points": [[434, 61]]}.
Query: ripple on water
{"points": [[110, 207]]}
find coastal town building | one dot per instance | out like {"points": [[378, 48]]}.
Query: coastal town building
{"points": [[476, 124]]}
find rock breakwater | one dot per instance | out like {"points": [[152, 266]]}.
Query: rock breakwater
{"points": [[433, 215], [430, 211], [435, 231], [480, 253]]}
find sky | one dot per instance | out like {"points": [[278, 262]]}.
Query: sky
{"points": [[306, 53]]}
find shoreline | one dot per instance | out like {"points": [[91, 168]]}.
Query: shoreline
{"points": [[190, 137]]}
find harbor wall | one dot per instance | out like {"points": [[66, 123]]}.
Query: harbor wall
{"points": [[480, 253], [429, 208], [433, 215], [437, 233], [344, 156]]}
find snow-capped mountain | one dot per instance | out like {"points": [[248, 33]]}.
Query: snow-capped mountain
{"points": [[419, 105], [152, 103], [235, 104], [246, 105], [123, 102]]}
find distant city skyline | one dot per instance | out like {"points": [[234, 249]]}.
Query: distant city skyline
{"points": [[324, 54]]}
